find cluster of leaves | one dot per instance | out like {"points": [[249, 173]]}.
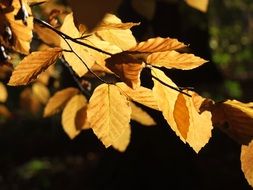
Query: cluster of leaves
{"points": [[108, 53]]}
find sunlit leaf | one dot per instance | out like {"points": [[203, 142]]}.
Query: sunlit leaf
{"points": [[3, 93], [126, 67], [247, 162], [116, 32], [173, 59], [157, 45], [141, 116], [123, 141], [32, 65], [108, 116], [141, 95], [41, 92], [201, 5], [69, 115], [59, 100]]}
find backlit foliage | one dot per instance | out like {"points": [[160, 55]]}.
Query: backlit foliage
{"points": [[92, 47]]}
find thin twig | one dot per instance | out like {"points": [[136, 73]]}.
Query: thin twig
{"points": [[172, 87], [70, 38]]}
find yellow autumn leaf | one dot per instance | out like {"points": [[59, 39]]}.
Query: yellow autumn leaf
{"points": [[108, 116], [166, 99], [247, 162], [157, 45], [32, 65], [141, 116], [200, 128], [120, 36], [123, 141], [21, 32], [127, 68], [69, 115], [41, 92], [201, 5], [3, 93], [173, 59], [235, 119], [141, 95], [81, 120], [84, 9], [59, 100]]}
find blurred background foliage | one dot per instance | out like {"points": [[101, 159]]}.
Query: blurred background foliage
{"points": [[36, 153]]}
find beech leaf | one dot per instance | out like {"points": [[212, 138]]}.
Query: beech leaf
{"points": [[157, 45], [3, 93], [247, 162], [32, 65], [201, 5], [81, 121], [141, 95], [59, 100], [173, 59], [69, 115], [141, 116], [108, 116], [123, 141], [126, 67], [41, 92]]}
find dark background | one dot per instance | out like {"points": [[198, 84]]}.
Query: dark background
{"points": [[36, 154]]}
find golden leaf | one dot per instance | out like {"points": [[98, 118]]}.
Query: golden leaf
{"points": [[141, 95], [166, 99], [127, 68], [108, 113], [235, 119], [247, 162], [114, 31], [47, 35], [157, 45], [201, 5], [200, 129], [59, 100], [3, 93], [21, 31], [32, 65], [173, 59], [123, 141], [69, 115], [41, 92], [81, 121], [84, 9], [141, 116]]}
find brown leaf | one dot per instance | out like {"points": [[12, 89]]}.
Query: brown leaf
{"points": [[84, 9], [157, 45], [201, 5], [235, 119], [41, 92], [69, 115], [141, 95], [141, 116], [247, 162], [173, 59], [108, 116], [47, 35], [3, 93], [59, 100], [21, 32], [126, 67], [32, 65], [4, 112], [123, 141], [81, 121]]}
